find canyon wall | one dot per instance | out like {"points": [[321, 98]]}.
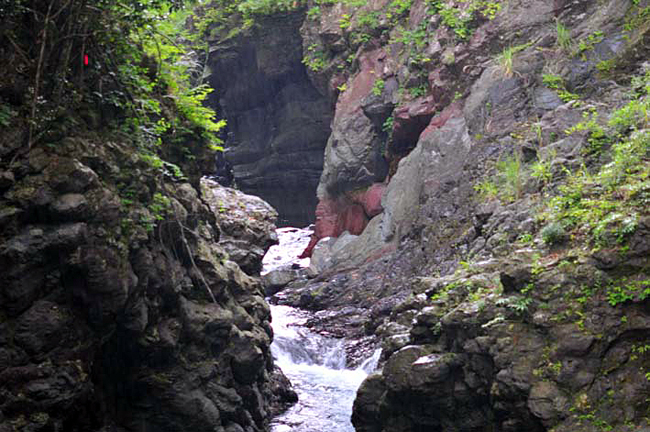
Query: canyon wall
{"points": [[504, 269], [278, 122]]}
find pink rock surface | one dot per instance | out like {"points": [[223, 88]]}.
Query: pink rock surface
{"points": [[410, 120], [453, 110], [371, 67], [370, 199], [334, 216]]}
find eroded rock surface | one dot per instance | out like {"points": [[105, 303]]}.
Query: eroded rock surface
{"points": [[120, 309], [278, 123], [247, 224], [490, 316]]}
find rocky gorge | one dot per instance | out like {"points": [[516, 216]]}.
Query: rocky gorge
{"points": [[478, 173], [470, 220]]}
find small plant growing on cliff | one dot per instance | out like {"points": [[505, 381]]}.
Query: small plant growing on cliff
{"points": [[542, 169], [159, 206], [512, 175], [345, 21], [378, 87], [556, 83], [507, 56], [388, 125], [518, 304], [314, 13], [553, 234], [418, 91], [597, 137], [563, 38], [314, 59], [487, 190]]}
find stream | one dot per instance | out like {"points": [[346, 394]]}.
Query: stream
{"points": [[314, 364]]}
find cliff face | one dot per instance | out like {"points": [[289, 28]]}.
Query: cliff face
{"points": [[119, 309], [505, 272], [278, 123]]}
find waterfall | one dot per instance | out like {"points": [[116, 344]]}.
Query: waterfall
{"points": [[316, 367], [314, 364]]}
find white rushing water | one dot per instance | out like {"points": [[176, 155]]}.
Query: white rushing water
{"points": [[315, 365], [292, 242]]}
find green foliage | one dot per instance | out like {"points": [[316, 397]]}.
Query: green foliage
{"points": [[553, 234], [624, 290], [506, 57], [511, 176], [517, 304], [636, 16], [563, 38], [416, 38], [397, 8], [597, 137], [418, 91], [159, 206], [266, 7], [487, 189], [314, 13], [345, 21], [526, 238], [605, 205], [541, 170], [6, 114], [388, 125], [378, 87], [588, 43], [556, 83], [459, 17], [369, 20], [315, 59]]}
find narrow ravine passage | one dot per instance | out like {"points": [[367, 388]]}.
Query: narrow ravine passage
{"points": [[314, 364]]}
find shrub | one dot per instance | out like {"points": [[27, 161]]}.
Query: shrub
{"points": [[553, 234]]}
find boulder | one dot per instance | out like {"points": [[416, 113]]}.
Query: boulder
{"points": [[247, 224]]}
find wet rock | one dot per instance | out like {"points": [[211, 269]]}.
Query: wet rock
{"points": [[247, 224], [276, 280], [278, 120], [397, 369], [366, 411], [548, 403], [283, 392]]}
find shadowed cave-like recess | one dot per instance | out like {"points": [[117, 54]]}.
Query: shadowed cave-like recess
{"points": [[278, 123]]}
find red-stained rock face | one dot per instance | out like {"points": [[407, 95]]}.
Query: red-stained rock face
{"points": [[352, 219], [371, 67], [352, 213], [453, 110], [370, 199]]}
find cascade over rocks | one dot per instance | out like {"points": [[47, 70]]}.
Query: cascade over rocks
{"points": [[278, 122]]}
